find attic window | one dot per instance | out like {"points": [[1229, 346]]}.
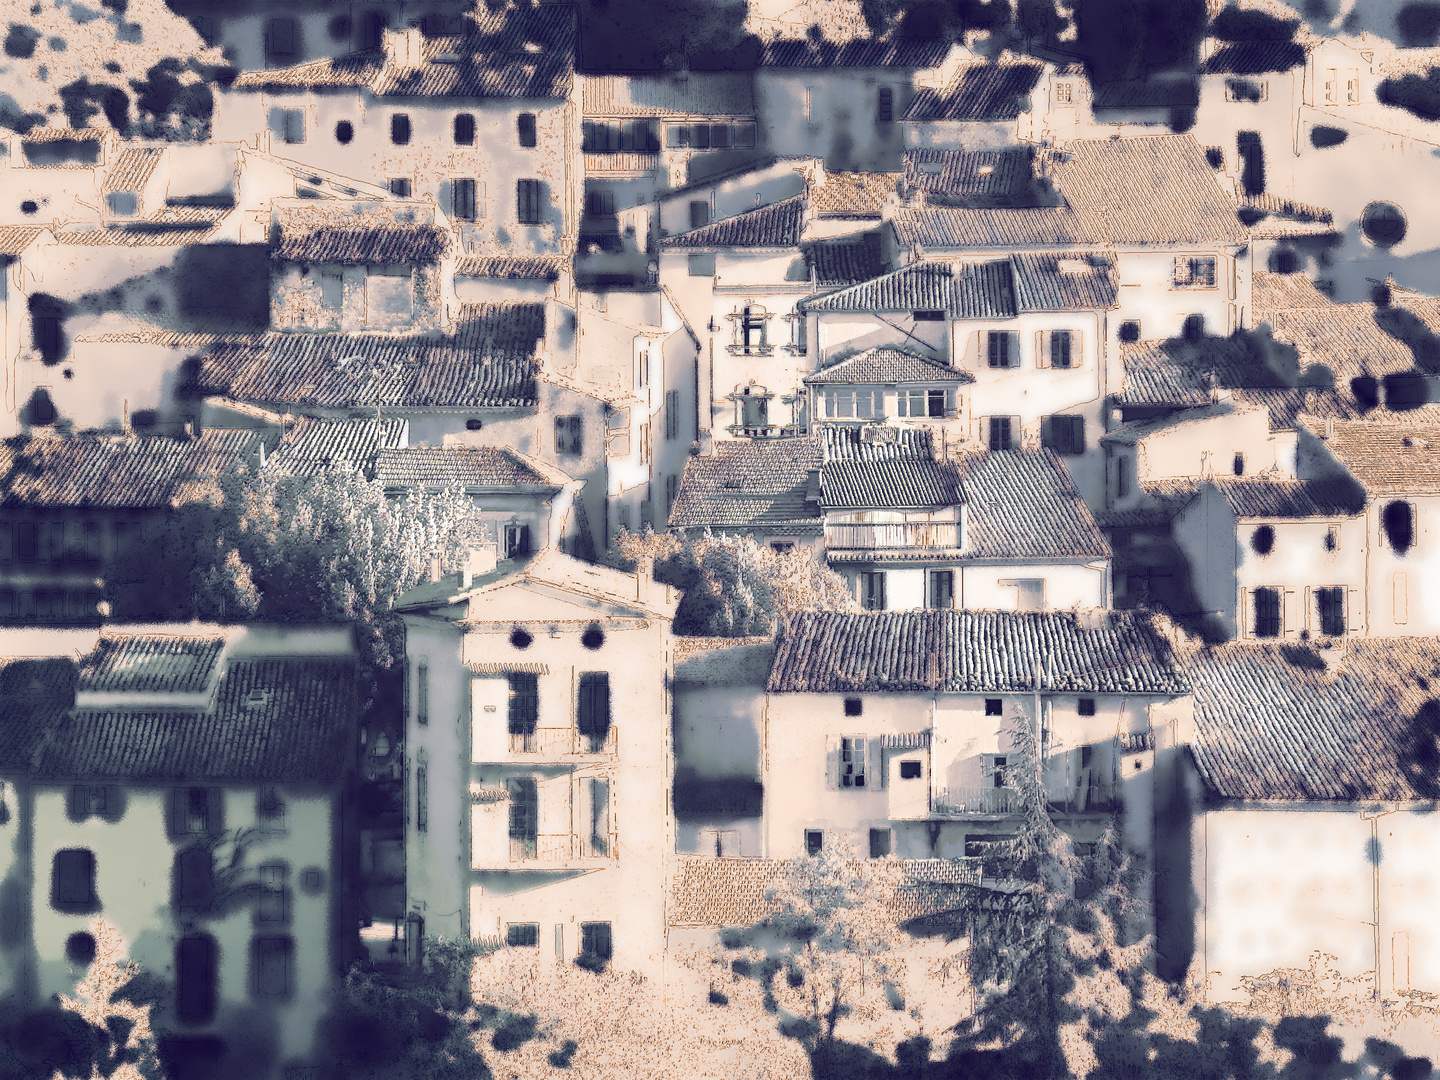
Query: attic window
{"points": [[257, 699], [986, 170], [931, 168], [853, 706], [1072, 266], [929, 316]]}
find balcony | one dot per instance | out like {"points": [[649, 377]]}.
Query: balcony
{"points": [[561, 850], [619, 162], [558, 743], [908, 534], [750, 350], [764, 431], [962, 802]]}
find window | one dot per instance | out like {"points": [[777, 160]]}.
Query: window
{"points": [[91, 800], [568, 441], [1330, 603], [280, 39], [273, 905], [911, 770], [462, 198], [529, 199], [872, 590], [123, 203], [45, 334], [782, 547], [1237, 464], [1194, 273], [1193, 329], [1061, 348], [797, 332], [854, 706], [599, 203], [592, 708], [525, 130], [422, 691], [879, 843], [702, 265], [699, 213], [850, 403], [809, 110], [399, 186], [941, 595], [885, 105], [524, 815], [997, 768], [524, 709], [400, 129], [464, 129], [72, 881], [672, 414], [517, 541], [1252, 158], [1064, 93], [1124, 466], [522, 935], [422, 798], [935, 402], [1086, 707], [595, 940], [271, 960], [814, 841], [292, 125], [752, 327], [270, 809], [197, 811], [1000, 435], [994, 706], [1332, 538], [1064, 434], [1000, 349], [196, 971], [1267, 613], [852, 761], [1397, 522], [194, 879], [631, 136], [1262, 540], [372, 29], [1247, 89]]}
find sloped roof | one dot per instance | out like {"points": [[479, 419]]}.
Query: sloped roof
{"points": [[1389, 458], [150, 663], [132, 169], [682, 94], [896, 483], [1290, 498], [1362, 338], [1179, 372], [876, 442], [137, 472], [973, 652], [1131, 433], [470, 466], [1022, 504], [170, 226], [853, 195], [776, 225], [35, 693], [519, 52], [299, 729], [712, 661], [1145, 94], [982, 91], [1270, 292], [312, 446], [352, 247], [16, 238], [976, 178], [889, 366], [1273, 724], [760, 485], [1253, 58], [967, 227], [489, 363], [857, 53], [845, 260], [512, 267]]}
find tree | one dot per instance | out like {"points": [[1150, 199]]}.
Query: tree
{"points": [[732, 585], [127, 1044]]}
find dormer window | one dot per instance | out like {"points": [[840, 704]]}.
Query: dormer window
{"points": [[257, 699], [929, 316], [123, 203], [1064, 93]]}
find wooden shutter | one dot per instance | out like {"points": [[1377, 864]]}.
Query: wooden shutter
{"points": [[832, 762], [1311, 614], [214, 810], [1400, 598], [79, 802], [1042, 353], [1244, 623], [875, 764], [1355, 611], [179, 816]]}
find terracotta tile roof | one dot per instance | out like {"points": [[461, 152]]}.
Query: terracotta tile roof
{"points": [[1022, 504], [35, 693], [776, 225], [1271, 292], [1274, 217], [845, 260], [890, 367], [730, 892], [999, 289], [1291, 498], [469, 466], [1363, 339], [1131, 433], [983, 91], [1253, 58], [1273, 723], [488, 363], [846, 485], [723, 661], [137, 472], [858, 53], [356, 70], [170, 226], [59, 134], [969, 227], [16, 238], [682, 94], [762, 485], [150, 663], [351, 247], [1181, 373], [1163, 500], [1146, 94], [311, 446], [853, 195], [876, 442], [1389, 458], [975, 178], [512, 267], [132, 169], [279, 720], [973, 652]]}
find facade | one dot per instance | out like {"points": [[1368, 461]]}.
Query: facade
{"points": [[531, 816]]}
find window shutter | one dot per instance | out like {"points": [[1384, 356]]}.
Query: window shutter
{"points": [[1245, 620], [832, 762], [1355, 612], [1048, 426], [214, 810], [1042, 353], [1311, 613], [79, 802], [179, 813], [875, 764]]}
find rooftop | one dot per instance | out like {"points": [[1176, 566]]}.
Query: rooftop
{"points": [[723, 661], [512, 267], [974, 178], [150, 663], [889, 366], [1253, 58], [1270, 292], [845, 260], [981, 91], [132, 168], [16, 238], [1277, 723], [854, 195], [312, 446], [682, 94], [973, 652], [852, 54], [1290, 498], [776, 225], [467, 466], [760, 485], [170, 226], [1387, 458], [356, 247], [1133, 432], [1022, 504]]}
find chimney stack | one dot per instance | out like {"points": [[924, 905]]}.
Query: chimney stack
{"points": [[644, 575], [403, 48], [435, 570]]}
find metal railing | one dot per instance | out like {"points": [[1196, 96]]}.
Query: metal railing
{"points": [[923, 534], [977, 800], [562, 742], [562, 848]]}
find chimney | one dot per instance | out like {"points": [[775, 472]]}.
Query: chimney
{"points": [[644, 575], [403, 48], [435, 572], [480, 560]]}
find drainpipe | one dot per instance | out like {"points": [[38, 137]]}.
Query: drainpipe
{"points": [[1373, 818]]}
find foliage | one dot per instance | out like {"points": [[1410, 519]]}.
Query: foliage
{"points": [[732, 585], [126, 1044], [291, 548]]}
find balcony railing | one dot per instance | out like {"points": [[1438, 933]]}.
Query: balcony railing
{"points": [[977, 800], [923, 534], [563, 742], [562, 848], [614, 161], [764, 431], [750, 350]]}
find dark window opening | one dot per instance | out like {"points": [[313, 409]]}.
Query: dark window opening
{"points": [[1087, 706], [1397, 520], [592, 715], [522, 935], [1331, 604], [1064, 434], [699, 213], [463, 129], [1237, 464], [885, 105], [911, 770], [999, 350], [462, 198], [271, 963], [1252, 162], [1000, 433], [194, 879], [529, 197], [595, 943], [400, 129], [872, 590], [568, 435], [942, 590], [879, 843], [1130, 330], [1262, 540], [524, 710], [344, 132], [525, 130], [814, 841], [593, 638], [852, 762], [399, 186], [1061, 354], [994, 706], [1267, 613], [80, 949], [853, 706], [928, 316], [524, 815], [196, 971], [998, 765], [1194, 328], [516, 541]]}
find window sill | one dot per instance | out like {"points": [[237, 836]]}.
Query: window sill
{"points": [[1193, 288], [750, 350]]}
